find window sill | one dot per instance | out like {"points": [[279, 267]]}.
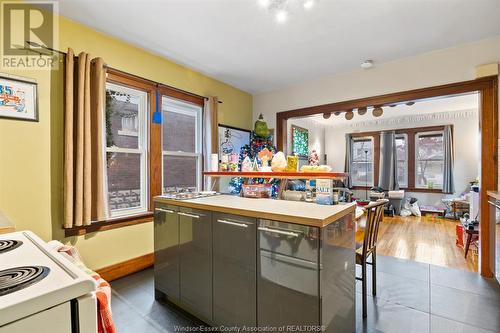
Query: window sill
{"points": [[412, 189], [109, 224]]}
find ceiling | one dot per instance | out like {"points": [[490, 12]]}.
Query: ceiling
{"points": [[453, 103], [239, 42]]}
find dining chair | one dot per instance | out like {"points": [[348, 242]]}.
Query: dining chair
{"points": [[374, 213]]}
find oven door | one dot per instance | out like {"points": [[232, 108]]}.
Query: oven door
{"points": [[55, 320]]}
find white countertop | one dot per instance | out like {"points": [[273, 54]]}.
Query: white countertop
{"points": [[298, 212]]}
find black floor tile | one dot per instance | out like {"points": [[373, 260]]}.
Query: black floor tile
{"points": [[465, 281], [469, 308], [443, 325]]}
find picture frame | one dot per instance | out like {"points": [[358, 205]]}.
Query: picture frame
{"points": [[18, 98], [232, 139]]}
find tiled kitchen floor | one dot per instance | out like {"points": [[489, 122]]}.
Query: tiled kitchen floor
{"points": [[412, 298]]}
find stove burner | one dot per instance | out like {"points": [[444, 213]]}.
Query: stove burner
{"points": [[9, 244], [17, 278]]}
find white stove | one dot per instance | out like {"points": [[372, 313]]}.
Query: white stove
{"points": [[42, 291]]}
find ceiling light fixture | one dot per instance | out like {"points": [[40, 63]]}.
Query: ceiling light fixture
{"points": [[281, 16], [327, 115], [367, 64], [308, 4], [362, 110], [281, 9], [337, 113]]}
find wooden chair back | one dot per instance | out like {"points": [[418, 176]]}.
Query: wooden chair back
{"points": [[374, 214]]}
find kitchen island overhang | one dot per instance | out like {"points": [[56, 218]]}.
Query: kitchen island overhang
{"points": [[298, 212], [261, 263]]}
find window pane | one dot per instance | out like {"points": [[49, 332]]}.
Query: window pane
{"points": [[179, 125], [124, 181], [362, 150], [429, 174], [430, 147], [401, 148], [179, 171], [362, 173], [122, 116], [402, 174]]}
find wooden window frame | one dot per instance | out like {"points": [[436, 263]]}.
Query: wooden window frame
{"points": [[411, 134], [154, 149], [375, 159]]}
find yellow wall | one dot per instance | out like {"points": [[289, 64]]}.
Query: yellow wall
{"points": [[31, 153]]}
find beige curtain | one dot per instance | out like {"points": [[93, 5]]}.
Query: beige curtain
{"points": [[210, 136], [84, 153]]}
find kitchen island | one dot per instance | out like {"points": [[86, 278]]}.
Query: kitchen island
{"points": [[257, 264]]}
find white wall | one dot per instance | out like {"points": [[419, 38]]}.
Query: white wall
{"points": [[466, 143], [424, 70], [316, 135]]}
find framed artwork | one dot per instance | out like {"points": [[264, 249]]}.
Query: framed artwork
{"points": [[300, 141], [231, 139], [18, 98]]}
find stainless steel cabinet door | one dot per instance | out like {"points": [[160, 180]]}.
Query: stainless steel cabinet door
{"points": [[234, 265], [196, 261], [166, 244], [288, 275]]}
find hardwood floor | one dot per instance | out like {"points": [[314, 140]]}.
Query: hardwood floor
{"points": [[425, 239]]}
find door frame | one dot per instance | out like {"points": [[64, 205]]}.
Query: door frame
{"points": [[487, 87]]}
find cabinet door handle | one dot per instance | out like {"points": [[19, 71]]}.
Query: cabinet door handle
{"points": [[281, 232], [165, 210], [189, 215], [242, 225]]}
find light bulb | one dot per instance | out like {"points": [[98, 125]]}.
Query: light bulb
{"points": [[281, 16], [308, 4], [264, 3]]}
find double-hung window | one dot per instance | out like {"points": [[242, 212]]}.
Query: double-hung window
{"points": [[181, 144], [362, 162], [126, 149], [429, 160]]}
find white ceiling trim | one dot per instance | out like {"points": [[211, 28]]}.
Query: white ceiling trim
{"points": [[412, 119]]}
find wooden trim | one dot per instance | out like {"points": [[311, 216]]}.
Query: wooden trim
{"points": [[182, 95], [127, 267], [383, 100], [155, 152], [488, 127], [108, 224]]}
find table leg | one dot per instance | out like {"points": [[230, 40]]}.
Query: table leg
{"points": [[467, 243]]}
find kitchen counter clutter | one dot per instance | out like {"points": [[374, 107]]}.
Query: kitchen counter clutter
{"points": [[282, 210], [257, 264]]}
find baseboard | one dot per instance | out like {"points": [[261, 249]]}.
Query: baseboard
{"points": [[127, 267]]}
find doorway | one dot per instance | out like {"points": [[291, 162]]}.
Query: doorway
{"points": [[487, 90]]}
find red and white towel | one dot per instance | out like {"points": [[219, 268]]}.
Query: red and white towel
{"points": [[103, 292]]}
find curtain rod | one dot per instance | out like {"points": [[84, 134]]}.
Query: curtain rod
{"points": [[158, 84]]}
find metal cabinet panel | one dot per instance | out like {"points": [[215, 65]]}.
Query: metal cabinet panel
{"points": [[287, 275], [234, 269], [195, 230], [289, 239], [166, 245]]}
